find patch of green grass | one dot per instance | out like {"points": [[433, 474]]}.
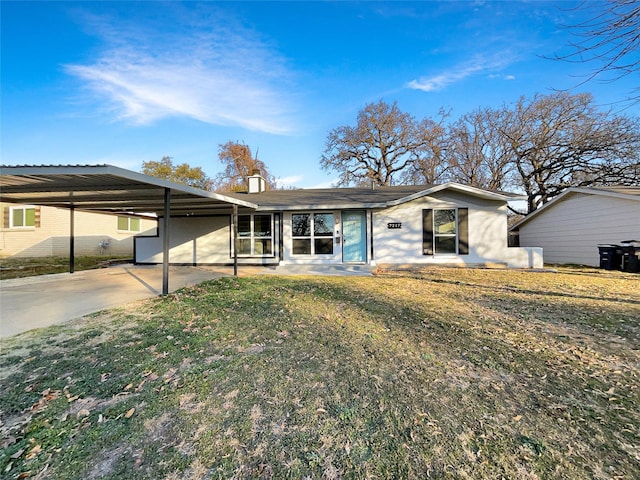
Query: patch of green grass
{"points": [[440, 373], [13, 267]]}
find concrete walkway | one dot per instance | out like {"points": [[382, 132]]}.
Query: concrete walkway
{"points": [[36, 302]]}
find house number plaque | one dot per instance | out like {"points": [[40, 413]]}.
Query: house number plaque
{"points": [[394, 225]]}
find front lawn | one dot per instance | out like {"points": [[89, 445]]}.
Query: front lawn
{"points": [[18, 267], [445, 373]]}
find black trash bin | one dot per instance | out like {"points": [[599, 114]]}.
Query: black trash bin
{"points": [[631, 256], [610, 257]]}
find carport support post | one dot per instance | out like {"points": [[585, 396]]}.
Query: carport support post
{"points": [[235, 240], [72, 240], [165, 241]]}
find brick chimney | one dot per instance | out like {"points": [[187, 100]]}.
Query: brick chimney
{"points": [[257, 183]]}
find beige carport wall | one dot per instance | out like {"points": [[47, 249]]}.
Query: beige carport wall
{"points": [[109, 189]]}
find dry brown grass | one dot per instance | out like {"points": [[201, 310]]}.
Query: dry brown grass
{"points": [[439, 373]]}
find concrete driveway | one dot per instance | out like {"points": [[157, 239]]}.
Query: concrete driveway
{"points": [[36, 302]]}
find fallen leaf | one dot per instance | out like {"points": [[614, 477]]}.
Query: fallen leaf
{"points": [[129, 413], [128, 387], [83, 413], [321, 410], [10, 440], [33, 452], [18, 454], [24, 475], [517, 418]]}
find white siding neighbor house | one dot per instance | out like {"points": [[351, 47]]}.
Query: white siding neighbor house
{"points": [[448, 224], [41, 231], [571, 226]]}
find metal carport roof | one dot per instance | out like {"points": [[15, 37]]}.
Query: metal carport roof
{"points": [[109, 189], [105, 188]]}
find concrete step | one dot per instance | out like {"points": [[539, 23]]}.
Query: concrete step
{"points": [[338, 270]]}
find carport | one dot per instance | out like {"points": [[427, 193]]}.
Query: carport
{"points": [[114, 190]]}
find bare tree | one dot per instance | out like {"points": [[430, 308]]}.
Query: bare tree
{"points": [[610, 38], [429, 164], [478, 154], [382, 145], [561, 140], [239, 163], [183, 173]]}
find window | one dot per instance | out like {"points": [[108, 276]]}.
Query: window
{"points": [[255, 235], [312, 233], [22, 216], [129, 224], [445, 231]]}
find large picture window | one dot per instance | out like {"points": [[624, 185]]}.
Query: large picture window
{"points": [[445, 231], [312, 233], [21, 217], [255, 235]]}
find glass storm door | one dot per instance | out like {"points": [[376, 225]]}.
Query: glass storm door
{"points": [[354, 233]]}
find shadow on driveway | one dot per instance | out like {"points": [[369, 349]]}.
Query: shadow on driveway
{"points": [[37, 302]]}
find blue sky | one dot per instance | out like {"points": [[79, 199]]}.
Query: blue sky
{"points": [[126, 82]]}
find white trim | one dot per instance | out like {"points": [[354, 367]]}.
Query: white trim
{"points": [[454, 235], [252, 237], [24, 208], [476, 192], [313, 236], [473, 191]]}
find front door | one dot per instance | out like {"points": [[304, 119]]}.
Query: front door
{"points": [[354, 234]]}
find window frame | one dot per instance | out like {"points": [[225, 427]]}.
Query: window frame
{"points": [[453, 235], [313, 235], [429, 233], [24, 209], [128, 229], [252, 237]]}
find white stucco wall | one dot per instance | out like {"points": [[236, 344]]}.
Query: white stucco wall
{"points": [[51, 238], [487, 236], [570, 230], [197, 240], [487, 233]]}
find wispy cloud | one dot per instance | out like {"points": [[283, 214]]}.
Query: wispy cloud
{"points": [[328, 184], [289, 181], [479, 65], [212, 72]]}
